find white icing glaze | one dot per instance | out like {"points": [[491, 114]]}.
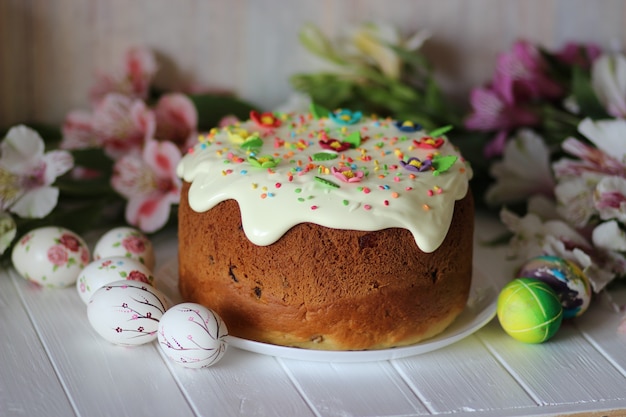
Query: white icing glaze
{"points": [[272, 200]]}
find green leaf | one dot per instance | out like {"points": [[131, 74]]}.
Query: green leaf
{"points": [[585, 96], [318, 111], [314, 40], [443, 163], [353, 139], [252, 142], [441, 131], [93, 158], [327, 90], [212, 108], [324, 156]]}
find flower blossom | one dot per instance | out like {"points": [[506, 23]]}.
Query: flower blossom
{"points": [[150, 184], [608, 79], [521, 74], [132, 79], [416, 165], [609, 198], [523, 171], [582, 55], [123, 124], [374, 44], [27, 173], [347, 174], [534, 236], [176, 120], [492, 111]]}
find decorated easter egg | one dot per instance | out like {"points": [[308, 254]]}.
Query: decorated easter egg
{"points": [[106, 270], [529, 310], [565, 278], [192, 335], [127, 312], [50, 256], [125, 241]]}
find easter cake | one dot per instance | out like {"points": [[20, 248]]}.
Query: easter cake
{"points": [[326, 230]]}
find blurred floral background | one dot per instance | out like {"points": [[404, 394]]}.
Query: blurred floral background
{"points": [[545, 137]]}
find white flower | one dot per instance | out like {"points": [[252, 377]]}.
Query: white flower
{"points": [[608, 79], [574, 196], [26, 173], [608, 135], [609, 198], [609, 236], [534, 237], [524, 170], [375, 42]]}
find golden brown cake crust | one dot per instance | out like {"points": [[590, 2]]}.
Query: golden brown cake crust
{"points": [[324, 288]]}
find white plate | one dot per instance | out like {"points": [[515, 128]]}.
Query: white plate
{"points": [[480, 309]]}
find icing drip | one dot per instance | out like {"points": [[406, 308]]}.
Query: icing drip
{"points": [[338, 172]]}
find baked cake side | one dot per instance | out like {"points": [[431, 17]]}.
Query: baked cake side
{"points": [[312, 232]]}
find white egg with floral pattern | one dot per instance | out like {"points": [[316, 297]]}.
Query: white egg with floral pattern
{"points": [[128, 242], [106, 270], [192, 335], [50, 256], [127, 312]]}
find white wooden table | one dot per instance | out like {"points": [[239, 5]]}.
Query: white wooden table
{"points": [[53, 364]]}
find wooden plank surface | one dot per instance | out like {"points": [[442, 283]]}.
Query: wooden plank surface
{"points": [[28, 382], [59, 366]]}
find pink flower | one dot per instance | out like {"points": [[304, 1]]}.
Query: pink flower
{"points": [[132, 79], [78, 131], [70, 242], [581, 55], [150, 184], [84, 255], [134, 244], [138, 276], [492, 111], [176, 120], [123, 124], [522, 74], [346, 174], [57, 255]]}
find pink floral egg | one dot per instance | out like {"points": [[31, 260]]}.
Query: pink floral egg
{"points": [[50, 256], [192, 335], [128, 242], [127, 312], [106, 270]]}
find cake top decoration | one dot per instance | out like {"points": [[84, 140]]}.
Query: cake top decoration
{"points": [[337, 169]]}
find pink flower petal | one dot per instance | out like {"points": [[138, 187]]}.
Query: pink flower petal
{"points": [[176, 119], [131, 176], [132, 78], [162, 158], [123, 124], [57, 163], [149, 212], [78, 132]]}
